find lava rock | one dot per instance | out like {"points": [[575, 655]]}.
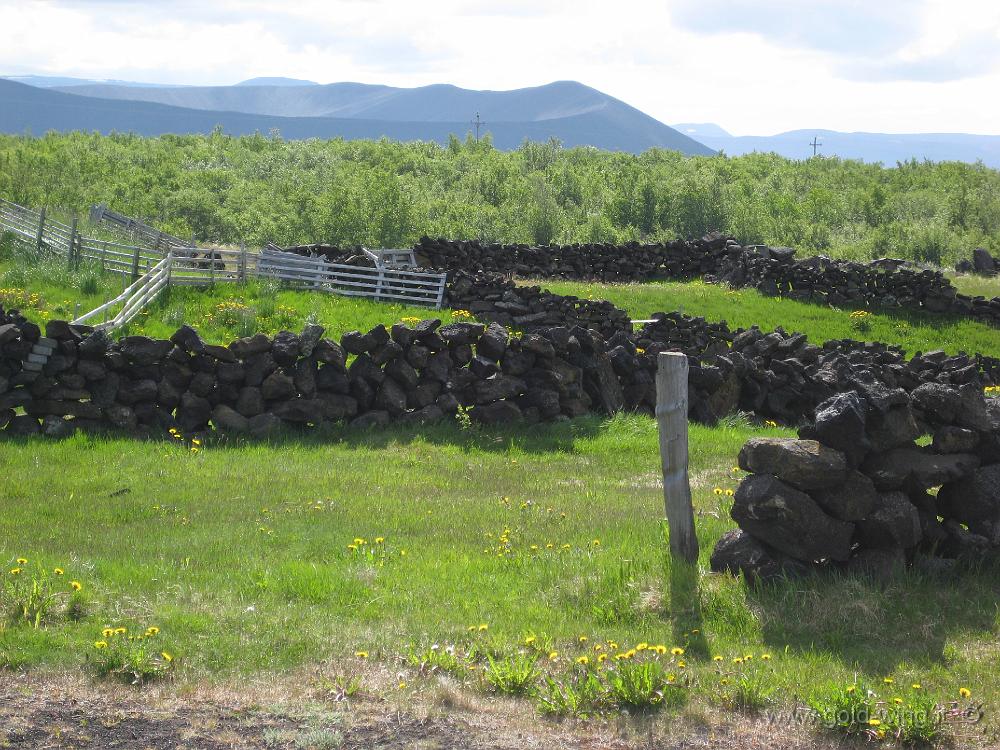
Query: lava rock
{"points": [[739, 553], [975, 497], [789, 520], [805, 464], [894, 522], [850, 501]]}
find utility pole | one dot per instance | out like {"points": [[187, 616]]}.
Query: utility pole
{"points": [[477, 123], [815, 144]]}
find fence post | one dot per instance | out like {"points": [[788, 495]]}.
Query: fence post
{"points": [[378, 283], [211, 266], [41, 230], [72, 243], [440, 296], [135, 264], [672, 419], [242, 274]]}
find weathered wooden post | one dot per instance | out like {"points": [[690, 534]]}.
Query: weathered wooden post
{"points": [[72, 243], [135, 264], [41, 231], [672, 419], [242, 273]]}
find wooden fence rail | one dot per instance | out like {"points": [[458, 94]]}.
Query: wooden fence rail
{"points": [[393, 278], [133, 299]]}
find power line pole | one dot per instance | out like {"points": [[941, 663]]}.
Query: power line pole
{"points": [[815, 144], [477, 123]]}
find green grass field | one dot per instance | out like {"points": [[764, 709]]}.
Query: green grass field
{"points": [[746, 307], [240, 552]]}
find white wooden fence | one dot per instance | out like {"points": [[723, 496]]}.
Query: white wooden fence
{"points": [[393, 278], [379, 283], [133, 299], [163, 259]]}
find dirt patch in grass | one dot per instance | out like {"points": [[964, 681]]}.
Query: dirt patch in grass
{"points": [[39, 711]]}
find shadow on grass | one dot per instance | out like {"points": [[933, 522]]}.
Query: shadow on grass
{"points": [[875, 626], [530, 438]]}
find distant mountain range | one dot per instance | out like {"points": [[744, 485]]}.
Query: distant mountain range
{"points": [[574, 113], [887, 148]]}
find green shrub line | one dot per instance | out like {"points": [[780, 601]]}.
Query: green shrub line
{"points": [[259, 189]]}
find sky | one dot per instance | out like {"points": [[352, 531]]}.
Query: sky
{"points": [[755, 67]]}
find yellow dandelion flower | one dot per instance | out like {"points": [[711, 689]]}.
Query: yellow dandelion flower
{"points": [[897, 701], [529, 640], [100, 644], [850, 689], [553, 655], [22, 561], [738, 660], [661, 650], [58, 571], [965, 692], [642, 646], [717, 490], [730, 493], [195, 441], [75, 585], [152, 630], [108, 632], [677, 651], [888, 680], [916, 686], [717, 657], [352, 548], [359, 541], [724, 681], [379, 540], [361, 654], [596, 543], [583, 660], [602, 657], [874, 722], [167, 656], [583, 639], [121, 631], [765, 657], [15, 571], [671, 677], [681, 664], [483, 627]]}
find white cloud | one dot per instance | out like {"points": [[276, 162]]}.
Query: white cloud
{"points": [[760, 67]]}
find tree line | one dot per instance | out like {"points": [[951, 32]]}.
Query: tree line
{"points": [[384, 193]]}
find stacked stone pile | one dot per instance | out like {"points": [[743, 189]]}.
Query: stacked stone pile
{"points": [[403, 374], [982, 263], [493, 298], [775, 271], [632, 261], [885, 283], [17, 336], [858, 491], [186, 384]]}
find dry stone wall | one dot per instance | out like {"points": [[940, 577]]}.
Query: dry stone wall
{"points": [[427, 372], [885, 283], [856, 491]]}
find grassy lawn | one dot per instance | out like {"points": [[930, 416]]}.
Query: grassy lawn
{"points": [[239, 553], [743, 308]]}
